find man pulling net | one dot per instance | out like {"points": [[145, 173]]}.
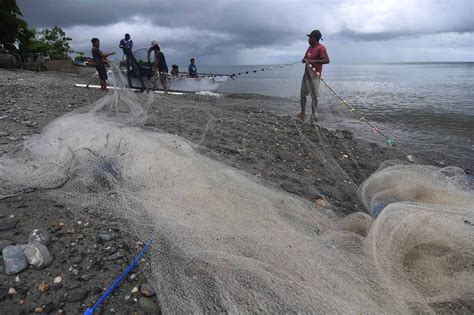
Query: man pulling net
{"points": [[160, 68], [127, 44], [316, 55]]}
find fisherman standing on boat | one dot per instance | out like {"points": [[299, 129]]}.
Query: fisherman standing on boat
{"points": [[192, 69], [316, 55], [160, 68], [127, 45], [100, 61]]}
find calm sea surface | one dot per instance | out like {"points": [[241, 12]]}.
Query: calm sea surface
{"points": [[428, 108]]}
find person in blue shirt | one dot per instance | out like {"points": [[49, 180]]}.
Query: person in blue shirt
{"points": [[127, 45], [192, 69]]}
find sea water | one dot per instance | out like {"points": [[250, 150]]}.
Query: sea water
{"points": [[428, 108]]}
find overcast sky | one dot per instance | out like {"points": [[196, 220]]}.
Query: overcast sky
{"points": [[218, 32]]}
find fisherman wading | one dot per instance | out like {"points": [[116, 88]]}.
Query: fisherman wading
{"points": [[315, 57]]}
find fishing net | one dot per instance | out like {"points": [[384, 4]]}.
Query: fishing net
{"points": [[225, 241], [448, 186], [423, 235]]}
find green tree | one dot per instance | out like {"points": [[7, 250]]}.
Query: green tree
{"points": [[13, 29], [52, 42], [80, 56]]}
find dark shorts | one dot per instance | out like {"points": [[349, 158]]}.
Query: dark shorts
{"points": [[102, 72]]}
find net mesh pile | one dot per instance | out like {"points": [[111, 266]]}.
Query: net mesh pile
{"points": [[225, 241], [423, 236]]}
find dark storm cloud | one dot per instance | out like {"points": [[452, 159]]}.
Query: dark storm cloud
{"points": [[219, 27], [253, 23], [69, 13]]}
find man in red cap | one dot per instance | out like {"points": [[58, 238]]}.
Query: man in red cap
{"points": [[315, 57]]}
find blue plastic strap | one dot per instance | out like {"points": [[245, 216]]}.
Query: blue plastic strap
{"points": [[91, 310]]}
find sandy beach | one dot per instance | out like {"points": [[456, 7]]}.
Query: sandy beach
{"points": [[90, 251]]}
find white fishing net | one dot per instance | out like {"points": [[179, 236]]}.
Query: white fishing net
{"points": [[423, 237], [420, 184], [224, 241]]}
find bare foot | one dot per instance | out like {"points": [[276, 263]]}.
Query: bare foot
{"points": [[301, 116]]}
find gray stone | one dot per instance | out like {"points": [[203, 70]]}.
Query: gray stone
{"points": [[40, 236], [77, 295], [5, 243], [148, 305], [104, 237], [38, 255], [7, 225], [77, 260], [117, 255], [86, 277], [146, 290], [57, 283], [14, 259]]}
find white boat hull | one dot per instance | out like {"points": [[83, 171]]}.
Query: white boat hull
{"points": [[193, 84], [183, 83]]}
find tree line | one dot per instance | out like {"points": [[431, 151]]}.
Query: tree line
{"points": [[16, 36]]}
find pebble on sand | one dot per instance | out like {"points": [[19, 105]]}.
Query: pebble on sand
{"points": [[38, 255], [147, 305], [40, 236], [146, 290], [57, 282], [14, 259], [44, 287], [77, 295], [104, 237]]}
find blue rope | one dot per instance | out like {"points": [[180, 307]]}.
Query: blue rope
{"points": [[91, 310]]}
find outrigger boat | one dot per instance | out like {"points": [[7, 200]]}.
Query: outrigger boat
{"points": [[180, 82]]}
